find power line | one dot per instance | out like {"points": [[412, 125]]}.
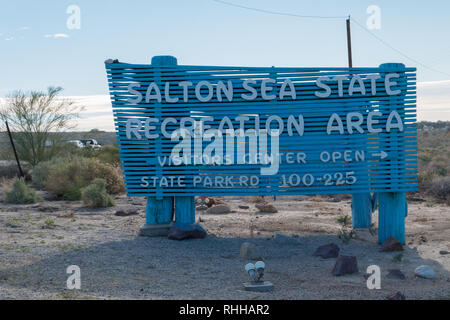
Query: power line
{"points": [[277, 13], [396, 50], [334, 17]]}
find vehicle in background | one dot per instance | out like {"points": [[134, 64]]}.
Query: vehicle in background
{"points": [[91, 143], [76, 143]]}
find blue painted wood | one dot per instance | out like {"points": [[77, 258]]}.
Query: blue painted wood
{"points": [[185, 209], [392, 210], [393, 207], [158, 211], [361, 210], [398, 172]]}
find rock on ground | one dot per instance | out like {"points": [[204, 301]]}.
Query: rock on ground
{"points": [[391, 244], [345, 265], [266, 208], [184, 231], [425, 271], [330, 250]]}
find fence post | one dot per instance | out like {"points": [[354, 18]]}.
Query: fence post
{"points": [[392, 206], [159, 209]]}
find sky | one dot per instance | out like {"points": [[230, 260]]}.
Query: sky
{"points": [[38, 47]]}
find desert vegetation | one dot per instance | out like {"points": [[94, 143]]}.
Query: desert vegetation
{"points": [[39, 123]]}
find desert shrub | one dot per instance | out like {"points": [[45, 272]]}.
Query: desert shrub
{"points": [[20, 193], [440, 188], [95, 195], [42, 170], [110, 155], [68, 178]]}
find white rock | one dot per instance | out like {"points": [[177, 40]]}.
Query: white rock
{"points": [[425, 271]]}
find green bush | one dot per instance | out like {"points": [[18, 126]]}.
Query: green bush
{"points": [[20, 193], [68, 177], [41, 171], [95, 195], [109, 155]]}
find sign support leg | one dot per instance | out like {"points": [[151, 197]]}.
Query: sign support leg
{"points": [[392, 211], [361, 210], [392, 207], [158, 217], [184, 209], [159, 211]]}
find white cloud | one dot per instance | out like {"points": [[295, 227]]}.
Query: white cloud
{"points": [[433, 100], [24, 28], [56, 35], [9, 38]]}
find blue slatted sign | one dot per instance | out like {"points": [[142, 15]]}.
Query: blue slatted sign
{"points": [[205, 130]]}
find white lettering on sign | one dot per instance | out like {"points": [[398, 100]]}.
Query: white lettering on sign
{"points": [[269, 89], [349, 123]]}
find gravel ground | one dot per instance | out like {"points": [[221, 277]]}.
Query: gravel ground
{"points": [[38, 242]]}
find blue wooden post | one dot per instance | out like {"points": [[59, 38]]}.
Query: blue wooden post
{"points": [[392, 210], [361, 210], [159, 210], [392, 207], [185, 209]]}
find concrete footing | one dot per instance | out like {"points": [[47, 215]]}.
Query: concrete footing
{"points": [[155, 230]]}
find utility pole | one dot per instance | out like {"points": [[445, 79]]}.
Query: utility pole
{"points": [[14, 149], [349, 44], [362, 205]]}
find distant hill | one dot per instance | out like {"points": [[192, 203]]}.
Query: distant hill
{"points": [[103, 137]]}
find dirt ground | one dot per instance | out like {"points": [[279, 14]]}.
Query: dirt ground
{"points": [[38, 242]]}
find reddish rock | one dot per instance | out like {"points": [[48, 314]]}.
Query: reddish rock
{"points": [[330, 250], [345, 265], [391, 244], [266, 208], [184, 231]]}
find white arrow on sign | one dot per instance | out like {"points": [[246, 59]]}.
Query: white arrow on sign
{"points": [[380, 154]]}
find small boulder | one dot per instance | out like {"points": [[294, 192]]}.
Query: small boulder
{"points": [[184, 231], [250, 251], [443, 252], [396, 296], [219, 209], [330, 250], [395, 274], [345, 265], [244, 207], [390, 245], [425, 272], [266, 208]]}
